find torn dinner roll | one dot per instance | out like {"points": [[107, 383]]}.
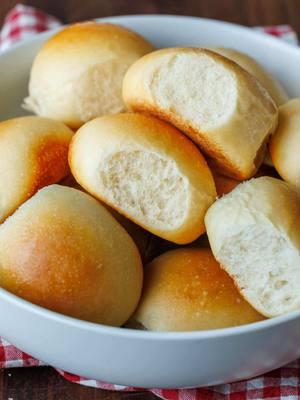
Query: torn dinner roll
{"points": [[273, 87], [148, 171], [254, 234], [214, 101]]}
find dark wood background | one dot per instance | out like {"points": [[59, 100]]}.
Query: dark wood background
{"points": [[44, 383], [247, 12]]}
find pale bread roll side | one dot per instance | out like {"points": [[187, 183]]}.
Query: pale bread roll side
{"points": [[146, 170], [285, 143], [273, 87], [254, 234], [77, 74], [33, 154], [214, 101], [187, 290], [64, 251]]}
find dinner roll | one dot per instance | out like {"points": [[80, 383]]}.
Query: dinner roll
{"points": [[186, 290], [77, 75], [33, 154], [254, 234], [141, 237], [214, 101], [64, 251], [146, 170], [272, 86], [285, 143]]}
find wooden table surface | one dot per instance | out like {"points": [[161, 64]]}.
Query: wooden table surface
{"points": [[44, 383]]}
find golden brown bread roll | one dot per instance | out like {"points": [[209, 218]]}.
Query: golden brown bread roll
{"points": [[146, 170], [285, 143], [254, 234], [33, 154], [141, 237], [186, 290], [77, 75], [273, 87], [64, 251], [214, 101]]}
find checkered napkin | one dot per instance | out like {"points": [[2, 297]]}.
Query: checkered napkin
{"points": [[284, 383]]}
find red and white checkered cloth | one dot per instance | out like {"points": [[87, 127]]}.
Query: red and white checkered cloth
{"points": [[283, 383]]}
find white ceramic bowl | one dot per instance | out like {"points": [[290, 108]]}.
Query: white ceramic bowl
{"points": [[139, 358]]}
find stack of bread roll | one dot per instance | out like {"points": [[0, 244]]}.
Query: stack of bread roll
{"points": [[138, 156]]}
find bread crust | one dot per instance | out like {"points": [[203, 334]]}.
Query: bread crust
{"points": [[186, 289], [77, 74], [34, 153], [285, 143], [64, 251], [272, 86]]}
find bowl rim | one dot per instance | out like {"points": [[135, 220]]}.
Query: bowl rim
{"points": [[248, 31], [142, 334]]}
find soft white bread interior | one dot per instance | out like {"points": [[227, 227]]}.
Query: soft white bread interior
{"points": [[186, 289], [33, 154], [273, 87], [146, 170], [141, 237], [64, 251], [254, 234], [285, 143], [210, 98], [77, 75]]}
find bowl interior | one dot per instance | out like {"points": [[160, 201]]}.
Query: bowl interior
{"points": [[279, 58]]}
